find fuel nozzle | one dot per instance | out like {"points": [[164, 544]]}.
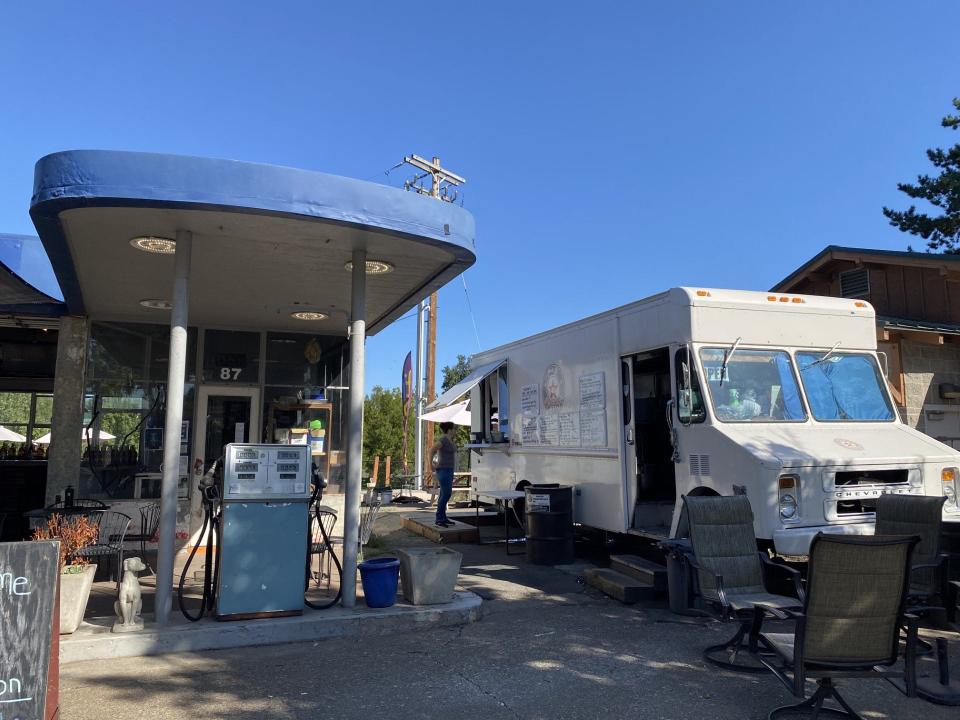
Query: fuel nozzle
{"points": [[208, 483]]}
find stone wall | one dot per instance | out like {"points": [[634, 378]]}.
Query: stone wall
{"points": [[925, 366], [66, 444]]}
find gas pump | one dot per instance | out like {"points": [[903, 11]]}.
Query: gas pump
{"points": [[255, 529], [263, 531]]}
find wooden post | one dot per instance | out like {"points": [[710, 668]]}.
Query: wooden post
{"points": [[386, 472], [376, 471]]}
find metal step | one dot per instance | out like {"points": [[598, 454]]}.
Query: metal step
{"points": [[624, 588], [642, 569]]}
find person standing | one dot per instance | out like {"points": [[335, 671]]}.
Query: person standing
{"points": [[443, 456]]}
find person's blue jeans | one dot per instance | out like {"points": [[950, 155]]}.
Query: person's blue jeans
{"points": [[445, 480]]}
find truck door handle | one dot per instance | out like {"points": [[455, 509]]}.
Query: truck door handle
{"points": [[629, 436]]}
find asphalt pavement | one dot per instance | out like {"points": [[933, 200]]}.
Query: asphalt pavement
{"points": [[547, 647]]}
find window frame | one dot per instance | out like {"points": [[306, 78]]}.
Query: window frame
{"points": [[804, 405], [878, 372]]}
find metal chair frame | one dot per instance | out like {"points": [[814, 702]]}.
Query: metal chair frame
{"points": [[149, 525], [328, 519], [730, 655], [825, 672], [112, 528]]}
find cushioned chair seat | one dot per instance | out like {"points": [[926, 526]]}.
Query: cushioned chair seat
{"points": [[782, 643], [746, 601]]}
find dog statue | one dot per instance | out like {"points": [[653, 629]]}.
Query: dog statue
{"points": [[129, 605]]}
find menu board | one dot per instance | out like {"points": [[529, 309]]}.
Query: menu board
{"points": [[28, 588], [569, 429], [593, 428], [530, 431], [592, 391], [585, 427], [549, 430], [530, 399]]}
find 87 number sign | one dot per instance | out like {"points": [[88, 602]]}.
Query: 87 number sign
{"points": [[230, 373]]}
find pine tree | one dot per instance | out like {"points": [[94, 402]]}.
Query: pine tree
{"points": [[942, 232]]}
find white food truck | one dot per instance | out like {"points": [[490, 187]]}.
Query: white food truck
{"points": [[704, 391]]}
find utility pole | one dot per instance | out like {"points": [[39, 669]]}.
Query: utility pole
{"points": [[441, 180]]}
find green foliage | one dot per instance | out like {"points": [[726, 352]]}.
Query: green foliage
{"points": [[14, 408], [454, 374], [942, 232], [451, 376], [383, 429]]}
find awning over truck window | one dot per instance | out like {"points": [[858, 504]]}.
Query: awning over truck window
{"points": [[466, 385]]}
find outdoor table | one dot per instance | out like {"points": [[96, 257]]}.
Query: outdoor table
{"points": [[509, 498]]}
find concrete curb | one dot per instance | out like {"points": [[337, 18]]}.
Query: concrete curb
{"points": [[94, 641]]}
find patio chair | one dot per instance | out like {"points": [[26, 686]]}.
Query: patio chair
{"points": [[79, 503], [328, 519], [149, 524], [729, 574], [921, 516], [368, 516], [112, 533], [850, 623]]}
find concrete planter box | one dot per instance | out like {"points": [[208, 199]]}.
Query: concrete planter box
{"points": [[428, 575], [74, 593]]}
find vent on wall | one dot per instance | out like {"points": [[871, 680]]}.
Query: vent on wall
{"points": [[700, 465], [855, 283]]}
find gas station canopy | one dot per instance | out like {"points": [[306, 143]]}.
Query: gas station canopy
{"points": [[268, 241]]}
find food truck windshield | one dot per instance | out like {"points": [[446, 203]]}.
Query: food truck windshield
{"points": [[752, 385]]}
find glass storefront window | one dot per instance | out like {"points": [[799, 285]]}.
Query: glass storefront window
{"points": [[43, 409], [125, 353], [231, 356], [296, 359]]}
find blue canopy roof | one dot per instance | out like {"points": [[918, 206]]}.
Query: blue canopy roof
{"points": [[267, 238]]}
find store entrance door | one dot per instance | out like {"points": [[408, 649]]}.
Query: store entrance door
{"points": [[226, 415]]}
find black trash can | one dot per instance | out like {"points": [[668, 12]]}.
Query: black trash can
{"points": [[549, 516], [678, 576]]}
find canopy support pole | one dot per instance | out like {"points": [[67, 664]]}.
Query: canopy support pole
{"points": [[418, 401], [351, 509], [171, 436]]}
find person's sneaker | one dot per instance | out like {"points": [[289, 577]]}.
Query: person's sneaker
{"points": [[444, 523]]}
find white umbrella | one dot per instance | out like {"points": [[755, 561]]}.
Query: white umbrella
{"points": [[45, 439], [10, 436], [458, 414]]}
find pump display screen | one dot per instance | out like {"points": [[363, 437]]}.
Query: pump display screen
{"points": [[263, 472]]}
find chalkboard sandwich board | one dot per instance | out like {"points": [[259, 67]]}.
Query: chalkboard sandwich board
{"points": [[28, 589]]}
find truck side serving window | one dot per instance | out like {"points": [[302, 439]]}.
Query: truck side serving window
{"points": [[689, 399]]}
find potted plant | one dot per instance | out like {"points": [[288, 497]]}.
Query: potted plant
{"points": [[76, 572]]}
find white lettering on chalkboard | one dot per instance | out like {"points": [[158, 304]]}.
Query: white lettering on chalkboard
{"points": [[13, 585]]}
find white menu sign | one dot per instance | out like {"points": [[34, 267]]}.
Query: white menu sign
{"points": [[569, 434], [549, 430], [593, 428], [592, 391], [530, 400]]}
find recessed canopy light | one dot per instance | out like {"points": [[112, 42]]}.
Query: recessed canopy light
{"points": [[154, 244], [156, 304], [374, 267], [308, 315]]}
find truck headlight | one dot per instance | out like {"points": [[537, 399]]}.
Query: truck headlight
{"points": [[789, 490], [948, 483]]}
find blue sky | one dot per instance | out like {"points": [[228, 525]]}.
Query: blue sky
{"points": [[612, 150]]}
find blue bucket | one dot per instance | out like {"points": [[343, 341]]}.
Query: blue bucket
{"points": [[379, 578]]}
